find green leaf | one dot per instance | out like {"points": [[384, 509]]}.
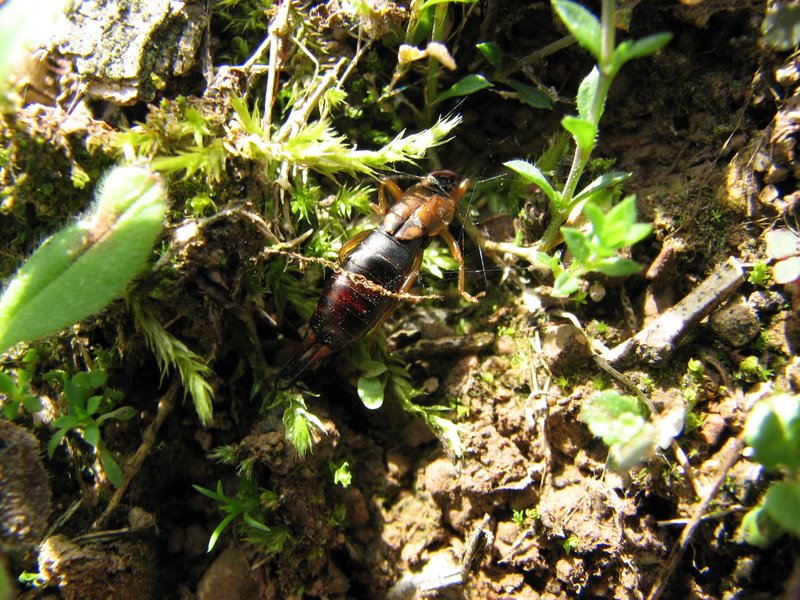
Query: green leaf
{"points": [[616, 267], [429, 3], [758, 529], [55, 441], [7, 385], [583, 132], [31, 403], [603, 182], [110, 466], [86, 265], [466, 86], [530, 95], [565, 285], [582, 24], [773, 431], [782, 504], [370, 390], [577, 244], [91, 433], [614, 417], [492, 52], [629, 50], [371, 368], [123, 413], [534, 175], [781, 25], [93, 404], [586, 94]]}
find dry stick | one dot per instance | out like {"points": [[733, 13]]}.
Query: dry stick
{"points": [[730, 458], [658, 340], [134, 463]]}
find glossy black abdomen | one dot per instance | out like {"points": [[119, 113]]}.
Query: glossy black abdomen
{"points": [[347, 310]]}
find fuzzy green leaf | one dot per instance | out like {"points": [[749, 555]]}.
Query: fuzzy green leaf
{"points": [[603, 182], [616, 267], [86, 265], [565, 285], [532, 173], [758, 529], [612, 416], [582, 24], [583, 132], [370, 390], [492, 52], [577, 243], [782, 504], [466, 86], [586, 94], [112, 469], [371, 368], [628, 50], [530, 95], [7, 385], [773, 431]]}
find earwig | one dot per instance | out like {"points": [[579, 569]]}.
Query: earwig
{"points": [[388, 256]]}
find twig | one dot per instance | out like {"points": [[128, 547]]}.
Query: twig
{"points": [[134, 463], [658, 340]]}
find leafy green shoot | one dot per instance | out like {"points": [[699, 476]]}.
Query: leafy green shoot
{"points": [[253, 505], [15, 389], [86, 412], [772, 432], [298, 422], [341, 473], [379, 370], [598, 37], [170, 352]]}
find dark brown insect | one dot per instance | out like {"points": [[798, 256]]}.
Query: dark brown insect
{"points": [[389, 257]]}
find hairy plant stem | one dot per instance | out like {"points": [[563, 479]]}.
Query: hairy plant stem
{"points": [[433, 64], [552, 234]]}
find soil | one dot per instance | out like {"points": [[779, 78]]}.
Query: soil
{"points": [[707, 127]]}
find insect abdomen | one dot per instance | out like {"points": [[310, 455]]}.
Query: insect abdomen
{"points": [[348, 309]]}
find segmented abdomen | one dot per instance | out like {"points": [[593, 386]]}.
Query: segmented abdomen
{"points": [[347, 310]]}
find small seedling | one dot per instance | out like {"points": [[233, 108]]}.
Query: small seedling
{"points": [[341, 473], [253, 505], [16, 392], [571, 544], [751, 370], [84, 415], [298, 422], [773, 433], [759, 274], [596, 250], [524, 517]]}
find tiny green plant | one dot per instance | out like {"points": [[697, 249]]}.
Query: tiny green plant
{"points": [[751, 370], [595, 251], [772, 432], [253, 505], [298, 422], [623, 424], [86, 265], [85, 416], [341, 473], [759, 274], [15, 389], [571, 544], [524, 517], [380, 370]]}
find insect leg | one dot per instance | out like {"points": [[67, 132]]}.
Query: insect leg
{"points": [[387, 185], [456, 252], [351, 244]]}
